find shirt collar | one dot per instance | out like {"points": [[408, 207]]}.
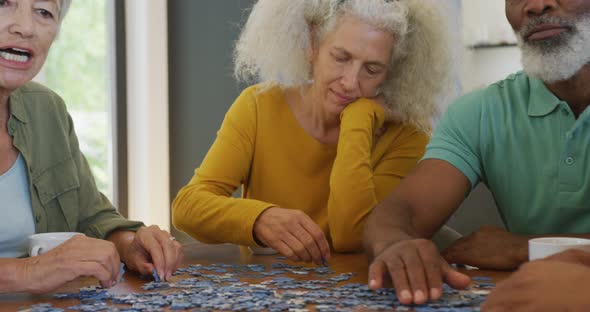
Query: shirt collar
{"points": [[16, 106], [541, 100]]}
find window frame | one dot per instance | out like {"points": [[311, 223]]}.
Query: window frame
{"points": [[117, 36]]}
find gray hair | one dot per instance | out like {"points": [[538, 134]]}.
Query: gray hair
{"points": [[276, 40], [64, 5]]}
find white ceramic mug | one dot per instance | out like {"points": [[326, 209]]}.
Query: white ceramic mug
{"points": [[547, 246], [44, 242]]}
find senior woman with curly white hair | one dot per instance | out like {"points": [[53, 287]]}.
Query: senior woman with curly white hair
{"points": [[342, 114], [45, 182]]}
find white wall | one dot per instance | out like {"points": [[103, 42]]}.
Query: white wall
{"points": [[484, 66], [484, 23], [147, 112]]}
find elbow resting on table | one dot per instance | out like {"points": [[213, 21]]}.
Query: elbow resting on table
{"points": [[179, 212], [183, 216]]}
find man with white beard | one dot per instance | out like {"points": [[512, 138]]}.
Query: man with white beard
{"points": [[526, 137]]}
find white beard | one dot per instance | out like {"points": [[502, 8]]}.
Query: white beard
{"points": [[560, 58]]}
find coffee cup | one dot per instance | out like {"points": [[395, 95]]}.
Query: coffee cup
{"points": [[44, 242], [547, 246]]}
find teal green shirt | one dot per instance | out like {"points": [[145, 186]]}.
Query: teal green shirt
{"points": [[528, 148], [64, 196]]}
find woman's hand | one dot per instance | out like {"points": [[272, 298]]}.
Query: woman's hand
{"points": [[292, 233], [78, 256], [147, 249]]}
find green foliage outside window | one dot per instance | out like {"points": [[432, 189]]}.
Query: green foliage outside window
{"points": [[77, 68]]}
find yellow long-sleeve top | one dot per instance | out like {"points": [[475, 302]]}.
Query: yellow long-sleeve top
{"points": [[262, 147]]}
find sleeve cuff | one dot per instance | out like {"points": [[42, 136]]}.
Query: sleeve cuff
{"points": [[249, 224], [102, 231], [456, 161]]}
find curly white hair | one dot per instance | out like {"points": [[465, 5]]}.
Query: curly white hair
{"points": [[275, 42]]}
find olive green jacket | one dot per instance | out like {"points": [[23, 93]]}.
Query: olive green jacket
{"points": [[63, 192]]}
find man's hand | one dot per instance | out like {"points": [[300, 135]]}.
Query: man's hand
{"points": [[489, 248], [416, 269], [292, 233], [147, 249], [572, 256], [78, 256], [543, 285]]}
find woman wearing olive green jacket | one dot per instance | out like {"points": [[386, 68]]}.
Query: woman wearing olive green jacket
{"points": [[45, 182]]}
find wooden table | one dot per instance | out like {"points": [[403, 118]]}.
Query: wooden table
{"points": [[197, 253]]}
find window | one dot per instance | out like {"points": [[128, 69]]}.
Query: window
{"points": [[79, 68]]}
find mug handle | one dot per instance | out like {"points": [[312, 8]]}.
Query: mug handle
{"points": [[36, 250]]}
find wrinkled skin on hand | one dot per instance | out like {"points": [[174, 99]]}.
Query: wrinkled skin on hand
{"points": [[151, 248], [78, 256], [293, 234]]}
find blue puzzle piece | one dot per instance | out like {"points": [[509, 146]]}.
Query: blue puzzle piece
{"points": [[121, 272], [156, 276], [224, 291]]}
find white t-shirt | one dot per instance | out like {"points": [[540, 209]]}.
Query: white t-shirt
{"points": [[16, 212]]}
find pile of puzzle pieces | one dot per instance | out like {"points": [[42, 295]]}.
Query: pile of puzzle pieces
{"points": [[219, 287]]}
